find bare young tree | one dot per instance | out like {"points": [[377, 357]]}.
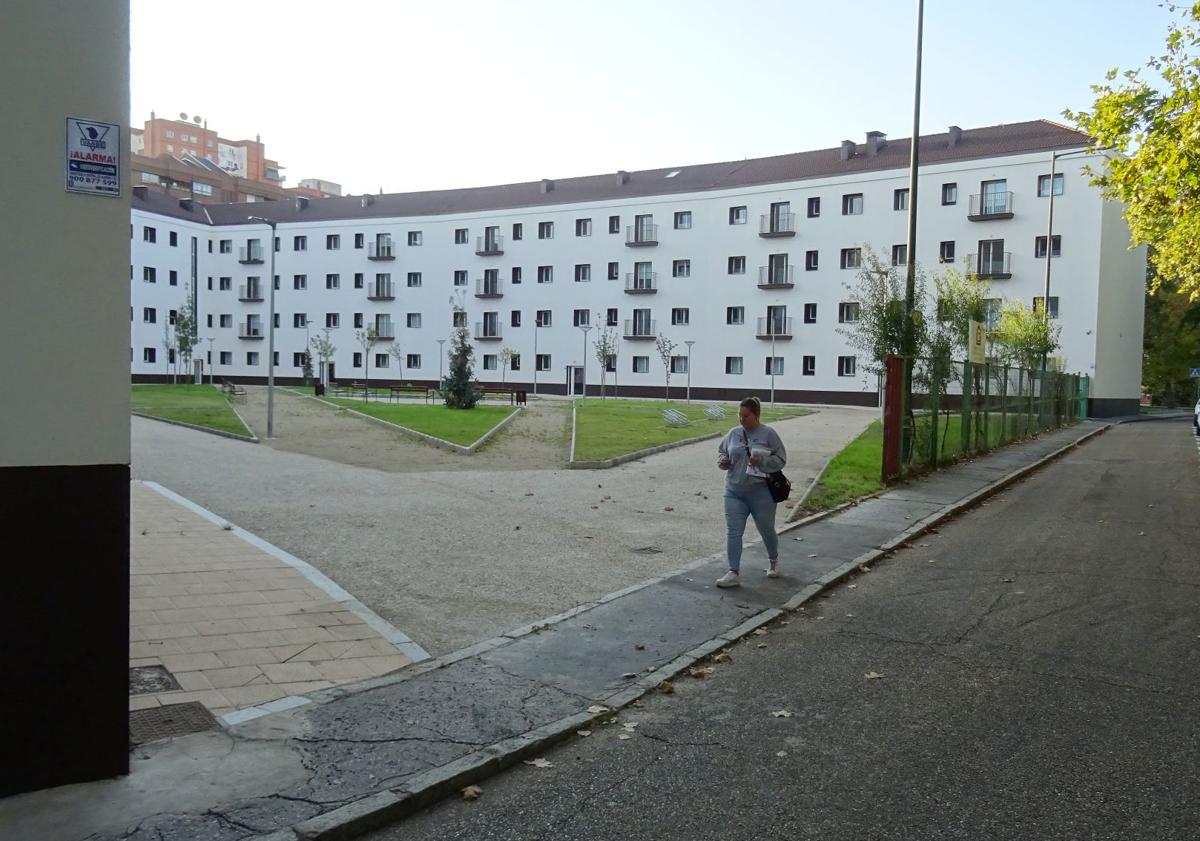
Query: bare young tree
{"points": [[666, 349], [367, 339], [605, 350], [185, 335], [168, 343], [322, 345], [506, 358], [397, 353]]}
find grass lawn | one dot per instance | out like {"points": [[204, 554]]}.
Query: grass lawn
{"points": [[608, 428], [459, 426], [201, 405]]}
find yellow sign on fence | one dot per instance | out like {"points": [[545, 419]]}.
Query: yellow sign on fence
{"points": [[977, 344]]}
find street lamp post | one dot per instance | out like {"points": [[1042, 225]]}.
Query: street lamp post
{"points": [[585, 328], [210, 340], [536, 328], [689, 343], [441, 358], [910, 281], [270, 329], [772, 368]]}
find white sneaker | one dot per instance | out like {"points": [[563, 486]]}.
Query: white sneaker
{"points": [[729, 579], [773, 569]]}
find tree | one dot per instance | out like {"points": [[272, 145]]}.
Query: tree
{"points": [[879, 292], [605, 350], [398, 354], [168, 343], [666, 349], [506, 358], [322, 345], [458, 388], [1023, 336], [367, 339], [185, 334], [1156, 135], [1172, 344]]}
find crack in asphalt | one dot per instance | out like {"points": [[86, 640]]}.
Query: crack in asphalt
{"points": [[384, 741], [995, 603]]}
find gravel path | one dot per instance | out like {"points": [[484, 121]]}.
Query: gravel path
{"points": [[455, 549]]}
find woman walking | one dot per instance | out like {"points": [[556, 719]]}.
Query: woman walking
{"points": [[747, 454]]}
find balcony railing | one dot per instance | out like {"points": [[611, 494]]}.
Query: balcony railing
{"points": [[250, 292], [380, 251], [984, 206], [641, 284], [780, 224], [776, 328], [250, 254], [776, 277], [643, 233], [635, 329], [381, 292], [485, 288], [385, 331], [489, 246], [486, 332], [991, 267], [250, 331]]}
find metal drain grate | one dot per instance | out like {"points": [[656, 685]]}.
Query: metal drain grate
{"points": [[146, 679], [172, 720]]}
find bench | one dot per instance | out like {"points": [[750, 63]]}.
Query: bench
{"points": [[233, 390], [397, 391], [675, 418], [485, 390]]}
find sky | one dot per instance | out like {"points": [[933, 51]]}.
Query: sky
{"points": [[404, 96]]}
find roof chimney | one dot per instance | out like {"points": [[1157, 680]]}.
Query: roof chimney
{"points": [[876, 140], [367, 200], [547, 185], [955, 136], [301, 202], [847, 150], [140, 191], [622, 177]]}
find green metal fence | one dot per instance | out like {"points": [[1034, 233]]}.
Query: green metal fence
{"points": [[963, 408]]}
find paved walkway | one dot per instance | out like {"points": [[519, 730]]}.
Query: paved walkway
{"points": [[235, 623], [357, 756]]}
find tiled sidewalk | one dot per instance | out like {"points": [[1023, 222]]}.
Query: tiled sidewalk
{"points": [[236, 626]]}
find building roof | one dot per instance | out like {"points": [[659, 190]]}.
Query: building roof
{"points": [[971, 144]]}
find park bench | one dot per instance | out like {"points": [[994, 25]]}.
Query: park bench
{"points": [[675, 418], [498, 390], [397, 391], [233, 390]]}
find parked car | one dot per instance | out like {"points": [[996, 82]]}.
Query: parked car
{"points": [[1196, 418]]}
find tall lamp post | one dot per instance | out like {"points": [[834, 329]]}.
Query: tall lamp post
{"points": [[910, 280], [210, 340], [585, 328], [689, 343], [536, 327], [772, 366], [270, 329], [441, 359]]}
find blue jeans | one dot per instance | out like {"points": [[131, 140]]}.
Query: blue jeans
{"points": [[755, 502]]}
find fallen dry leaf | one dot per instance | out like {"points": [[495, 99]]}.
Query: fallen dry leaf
{"points": [[812, 556], [851, 586], [723, 657], [629, 675], [699, 673], [873, 675], [630, 725], [539, 763], [762, 645], [782, 713], [666, 687], [639, 647], [781, 753], [624, 736], [596, 709], [669, 508], [472, 793], [584, 733], [761, 632]]}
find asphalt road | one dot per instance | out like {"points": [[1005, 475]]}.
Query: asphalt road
{"points": [[1038, 667]]}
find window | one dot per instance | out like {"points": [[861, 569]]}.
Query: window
{"points": [[415, 237], [171, 316], [735, 315], [899, 255], [460, 236], [252, 358], [300, 319], [1037, 305], [208, 320], [733, 365], [149, 274], [356, 360], [413, 360], [459, 319], [381, 360], [149, 315], [360, 240], [225, 246], [950, 193], [298, 359], [681, 268], [545, 230], [489, 362], [414, 280], [683, 220], [518, 230], [170, 133], [611, 317], [737, 265], [1039, 246], [614, 224], [516, 318], [172, 238], [358, 280], [810, 313], [814, 207], [680, 316], [851, 258], [173, 276], [460, 277], [226, 357], [148, 354], [808, 366], [614, 271], [299, 243], [583, 227], [946, 251], [333, 242], [848, 312], [300, 282], [358, 321], [149, 234], [991, 312], [545, 274], [852, 204], [900, 199], [583, 272], [847, 366], [516, 274], [202, 189], [413, 320], [542, 318], [582, 318], [1043, 185], [542, 363], [774, 365], [610, 363], [333, 319], [738, 215], [224, 284], [810, 261], [641, 364], [679, 364], [226, 320], [333, 281]]}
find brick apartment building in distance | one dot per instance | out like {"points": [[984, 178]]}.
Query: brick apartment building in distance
{"points": [[185, 158]]}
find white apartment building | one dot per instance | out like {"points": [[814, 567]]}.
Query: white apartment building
{"points": [[751, 261]]}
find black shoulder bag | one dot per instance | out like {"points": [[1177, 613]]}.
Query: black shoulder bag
{"points": [[777, 483]]}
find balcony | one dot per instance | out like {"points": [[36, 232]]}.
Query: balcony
{"points": [[250, 293], [776, 277], [780, 224], [640, 329], [385, 331], [991, 267], [380, 251], [990, 206], [250, 254], [381, 292], [250, 331], [641, 284], [779, 329], [489, 246], [485, 288], [641, 234], [485, 332]]}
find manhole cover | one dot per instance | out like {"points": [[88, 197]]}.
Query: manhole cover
{"points": [[172, 720], [146, 679], [648, 550]]}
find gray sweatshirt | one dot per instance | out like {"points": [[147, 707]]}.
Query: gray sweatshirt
{"points": [[733, 447]]}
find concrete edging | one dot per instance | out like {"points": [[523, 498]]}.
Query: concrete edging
{"points": [[634, 456], [251, 438]]}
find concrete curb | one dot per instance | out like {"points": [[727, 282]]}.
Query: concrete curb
{"points": [[634, 456], [250, 439]]}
